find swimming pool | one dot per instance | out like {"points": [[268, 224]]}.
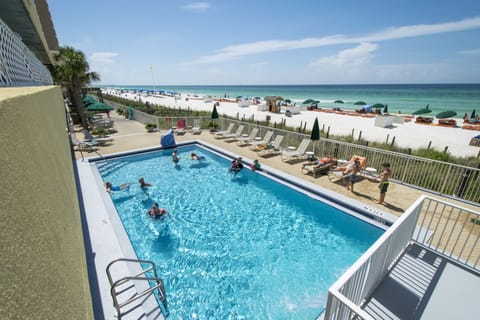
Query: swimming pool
{"points": [[239, 247]]}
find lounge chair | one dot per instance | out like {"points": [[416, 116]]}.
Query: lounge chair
{"points": [[83, 145], [100, 140], [234, 136], [246, 140], [196, 129], [272, 149], [181, 127], [297, 153], [341, 174], [220, 134], [323, 166], [266, 140]]}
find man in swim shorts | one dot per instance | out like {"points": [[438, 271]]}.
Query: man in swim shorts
{"points": [[110, 187]]}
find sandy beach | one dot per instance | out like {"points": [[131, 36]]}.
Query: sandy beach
{"points": [[408, 134]]}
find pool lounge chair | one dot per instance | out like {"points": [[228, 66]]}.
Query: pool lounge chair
{"points": [[272, 149], [298, 153], [234, 136], [181, 127], [246, 140], [196, 129], [102, 141], [220, 134], [89, 146], [324, 166], [266, 140]]}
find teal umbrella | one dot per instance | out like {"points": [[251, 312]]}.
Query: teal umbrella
{"points": [[360, 103], [308, 101], [98, 106], [472, 116], [315, 136], [287, 101], [446, 114], [385, 110], [338, 101], [423, 111], [378, 106]]}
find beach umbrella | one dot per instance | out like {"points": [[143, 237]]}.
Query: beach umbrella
{"points": [[308, 101], [287, 101], [472, 116], [446, 114], [423, 111], [385, 110], [360, 103], [98, 106], [338, 101], [378, 106], [214, 112], [315, 136]]}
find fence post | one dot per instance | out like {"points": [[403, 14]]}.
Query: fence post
{"points": [[360, 136], [388, 136], [429, 145]]}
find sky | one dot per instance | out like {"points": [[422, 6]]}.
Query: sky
{"points": [[248, 42]]}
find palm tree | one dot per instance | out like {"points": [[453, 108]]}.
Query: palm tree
{"points": [[71, 71]]}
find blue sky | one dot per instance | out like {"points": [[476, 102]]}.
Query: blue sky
{"points": [[174, 42]]}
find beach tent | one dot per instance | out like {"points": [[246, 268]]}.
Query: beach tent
{"points": [[367, 108]]}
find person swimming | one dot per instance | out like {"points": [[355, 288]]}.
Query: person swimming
{"points": [[156, 212], [195, 156], [236, 165], [143, 184], [110, 187], [175, 158]]}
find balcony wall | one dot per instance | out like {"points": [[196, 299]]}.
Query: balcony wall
{"points": [[44, 273]]}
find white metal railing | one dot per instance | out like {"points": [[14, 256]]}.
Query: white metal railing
{"points": [[18, 65], [445, 228]]}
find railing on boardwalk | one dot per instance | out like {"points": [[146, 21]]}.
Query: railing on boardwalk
{"points": [[449, 230], [20, 66], [443, 178]]}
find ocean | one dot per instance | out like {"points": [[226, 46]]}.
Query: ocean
{"points": [[404, 98]]}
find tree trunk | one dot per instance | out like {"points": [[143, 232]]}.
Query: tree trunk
{"points": [[77, 102]]}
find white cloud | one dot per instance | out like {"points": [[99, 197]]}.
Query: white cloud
{"points": [[471, 52], [197, 6], [245, 49], [357, 56], [103, 57]]}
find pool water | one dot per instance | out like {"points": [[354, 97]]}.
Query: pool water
{"points": [[234, 246]]}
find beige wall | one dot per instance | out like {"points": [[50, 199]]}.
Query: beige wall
{"points": [[43, 272]]}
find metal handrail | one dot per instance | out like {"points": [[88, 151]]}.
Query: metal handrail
{"points": [[141, 276]]}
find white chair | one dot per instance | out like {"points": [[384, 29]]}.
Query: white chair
{"points": [[297, 153], [234, 136], [220, 134], [266, 140], [196, 129], [273, 148], [246, 140]]}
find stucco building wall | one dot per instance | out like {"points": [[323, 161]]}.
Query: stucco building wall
{"points": [[43, 273]]}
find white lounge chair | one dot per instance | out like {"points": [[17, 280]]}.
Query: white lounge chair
{"points": [[297, 153], [220, 134], [273, 148], [196, 129], [246, 140], [234, 136], [266, 140], [83, 145], [100, 140]]}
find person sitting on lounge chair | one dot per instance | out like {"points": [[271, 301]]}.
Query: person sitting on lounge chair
{"points": [[348, 167], [315, 162]]}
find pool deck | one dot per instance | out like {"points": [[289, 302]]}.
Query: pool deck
{"points": [[109, 244]]}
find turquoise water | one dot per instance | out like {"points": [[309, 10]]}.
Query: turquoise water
{"points": [[407, 98], [234, 247]]}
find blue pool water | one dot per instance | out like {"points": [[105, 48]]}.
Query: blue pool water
{"points": [[234, 247]]}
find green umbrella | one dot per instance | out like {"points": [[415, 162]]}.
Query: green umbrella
{"points": [[214, 112], [360, 103], [315, 136], [378, 106], [98, 106], [385, 110], [308, 101], [472, 116], [338, 101], [88, 100], [287, 101], [423, 111]]}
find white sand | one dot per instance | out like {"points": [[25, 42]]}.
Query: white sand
{"points": [[408, 134]]}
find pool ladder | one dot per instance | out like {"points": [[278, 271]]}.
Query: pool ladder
{"points": [[128, 286]]}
